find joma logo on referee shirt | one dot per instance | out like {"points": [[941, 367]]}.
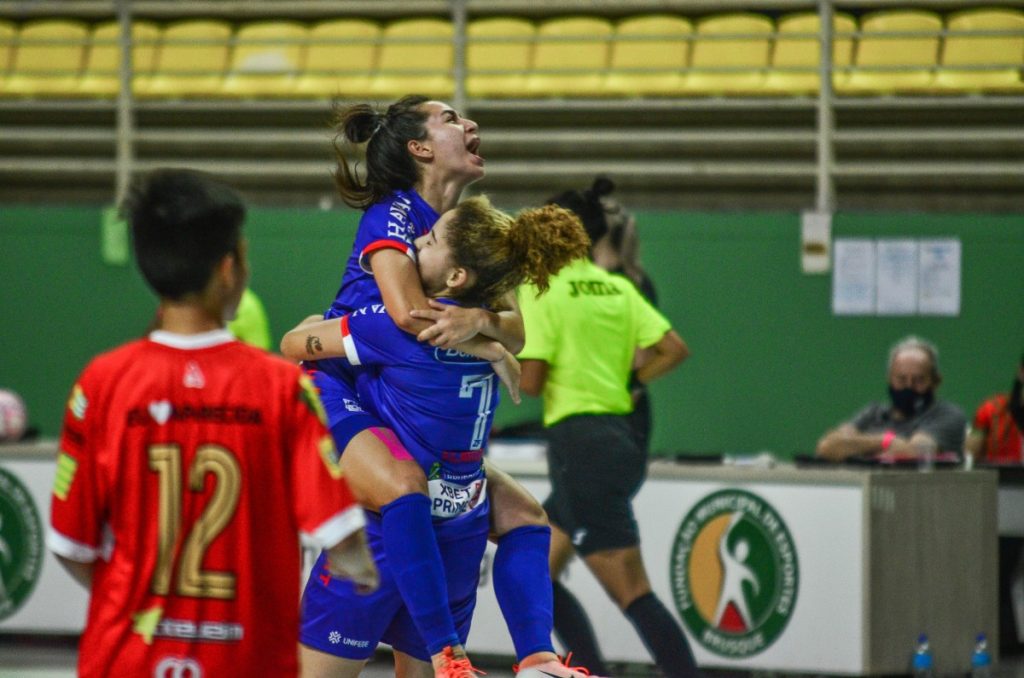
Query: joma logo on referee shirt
{"points": [[592, 288]]}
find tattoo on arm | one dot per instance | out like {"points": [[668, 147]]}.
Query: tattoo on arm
{"points": [[313, 345]]}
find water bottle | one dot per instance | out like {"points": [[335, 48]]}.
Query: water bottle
{"points": [[922, 665], [981, 660], [926, 450]]}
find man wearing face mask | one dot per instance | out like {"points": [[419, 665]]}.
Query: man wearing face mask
{"points": [[913, 419]]}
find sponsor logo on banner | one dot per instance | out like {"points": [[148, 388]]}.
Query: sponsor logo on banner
{"points": [[734, 573], [21, 544]]}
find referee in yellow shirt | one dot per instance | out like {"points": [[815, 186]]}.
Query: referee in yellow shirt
{"points": [[581, 338]]}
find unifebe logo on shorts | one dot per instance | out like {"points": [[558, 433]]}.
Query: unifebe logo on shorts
{"points": [[21, 544], [734, 573]]}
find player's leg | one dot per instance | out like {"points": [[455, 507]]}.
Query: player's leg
{"points": [[571, 623], [520, 573], [561, 551], [407, 666], [340, 627], [622, 574], [606, 462], [317, 664], [385, 478], [378, 469], [462, 545], [397, 488], [512, 505]]}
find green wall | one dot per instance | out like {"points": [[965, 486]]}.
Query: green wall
{"points": [[771, 368]]}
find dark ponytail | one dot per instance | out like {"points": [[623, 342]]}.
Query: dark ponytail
{"points": [[587, 206], [389, 166]]}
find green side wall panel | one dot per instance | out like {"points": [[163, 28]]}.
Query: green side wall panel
{"points": [[771, 367]]}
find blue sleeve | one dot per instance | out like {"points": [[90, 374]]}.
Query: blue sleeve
{"points": [[371, 337]]}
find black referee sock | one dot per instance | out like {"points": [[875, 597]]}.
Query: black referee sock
{"points": [[662, 636], [572, 626]]}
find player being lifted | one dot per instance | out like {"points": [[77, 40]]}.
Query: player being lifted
{"points": [[419, 157], [440, 403], [189, 464]]}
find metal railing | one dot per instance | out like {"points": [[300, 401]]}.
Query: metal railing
{"points": [[459, 10]]}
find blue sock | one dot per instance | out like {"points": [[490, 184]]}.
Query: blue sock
{"points": [[522, 584], [412, 554]]}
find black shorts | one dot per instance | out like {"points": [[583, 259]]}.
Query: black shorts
{"points": [[596, 468]]}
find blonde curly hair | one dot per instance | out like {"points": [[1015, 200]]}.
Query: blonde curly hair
{"points": [[506, 251]]}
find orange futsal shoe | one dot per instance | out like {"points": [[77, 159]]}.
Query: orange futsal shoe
{"points": [[456, 667], [554, 669]]}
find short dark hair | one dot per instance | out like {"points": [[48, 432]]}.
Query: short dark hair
{"points": [[182, 223]]}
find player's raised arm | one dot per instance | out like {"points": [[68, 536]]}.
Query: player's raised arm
{"points": [[314, 338], [318, 339]]}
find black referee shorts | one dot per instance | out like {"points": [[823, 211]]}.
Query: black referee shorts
{"points": [[596, 467]]}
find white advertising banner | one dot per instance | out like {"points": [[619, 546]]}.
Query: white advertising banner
{"points": [[764, 576], [48, 600]]}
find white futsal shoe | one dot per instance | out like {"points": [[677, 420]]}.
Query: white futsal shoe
{"points": [[554, 669]]}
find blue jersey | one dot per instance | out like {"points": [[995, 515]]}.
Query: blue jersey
{"points": [[393, 223], [439, 402]]}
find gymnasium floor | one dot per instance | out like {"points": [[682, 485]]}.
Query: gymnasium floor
{"points": [[55, 658], [41, 657], [34, 657]]}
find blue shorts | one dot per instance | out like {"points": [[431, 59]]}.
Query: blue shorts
{"points": [[345, 416], [339, 621]]}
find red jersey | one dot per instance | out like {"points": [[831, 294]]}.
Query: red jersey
{"points": [[1003, 442], [188, 467]]}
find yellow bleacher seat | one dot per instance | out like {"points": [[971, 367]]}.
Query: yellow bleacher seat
{"points": [[745, 57], [415, 56], [911, 59], [47, 58], [340, 59], [800, 52], [7, 36], [964, 50], [266, 59], [574, 61], [657, 43], [498, 44], [103, 63], [191, 60]]}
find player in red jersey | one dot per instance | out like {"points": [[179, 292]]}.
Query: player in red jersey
{"points": [[189, 464]]}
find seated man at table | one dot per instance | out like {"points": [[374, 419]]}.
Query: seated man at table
{"points": [[912, 419]]}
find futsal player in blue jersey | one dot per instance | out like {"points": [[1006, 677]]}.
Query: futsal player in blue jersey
{"points": [[419, 156], [440, 403]]}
